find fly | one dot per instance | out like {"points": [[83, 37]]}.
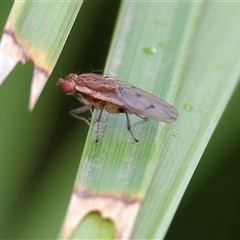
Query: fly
{"points": [[94, 90]]}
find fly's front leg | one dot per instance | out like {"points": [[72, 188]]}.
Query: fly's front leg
{"points": [[82, 109], [129, 129]]}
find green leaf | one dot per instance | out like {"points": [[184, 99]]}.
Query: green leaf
{"points": [[203, 96], [181, 52]]}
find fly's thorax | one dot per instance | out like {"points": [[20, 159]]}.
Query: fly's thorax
{"points": [[96, 87], [96, 82]]}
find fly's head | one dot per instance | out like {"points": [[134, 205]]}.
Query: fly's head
{"points": [[68, 83]]}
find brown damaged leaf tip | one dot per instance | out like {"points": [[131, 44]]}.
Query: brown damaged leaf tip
{"points": [[39, 80], [122, 212], [11, 52]]}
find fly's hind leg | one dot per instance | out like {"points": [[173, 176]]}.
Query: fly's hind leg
{"points": [[82, 109], [144, 118], [130, 130]]}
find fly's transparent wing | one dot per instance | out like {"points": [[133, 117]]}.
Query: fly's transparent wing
{"points": [[144, 104]]}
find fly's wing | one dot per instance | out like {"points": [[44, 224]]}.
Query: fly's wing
{"points": [[144, 104]]}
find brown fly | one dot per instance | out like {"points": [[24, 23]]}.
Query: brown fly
{"points": [[94, 90]]}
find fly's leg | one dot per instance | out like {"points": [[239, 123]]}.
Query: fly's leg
{"points": [[98, 122], [144, 118], [129, 129], [82, 109], [91, 111]]}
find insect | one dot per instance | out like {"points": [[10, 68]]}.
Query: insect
{"points": [[95, 90]]}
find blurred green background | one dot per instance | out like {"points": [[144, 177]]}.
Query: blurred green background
{"points": [[36, 180]]}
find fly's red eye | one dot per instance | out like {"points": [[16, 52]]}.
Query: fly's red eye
{"points": [[67, 87]]}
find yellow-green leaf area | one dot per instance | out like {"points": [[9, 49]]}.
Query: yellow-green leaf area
{"points": [[42, 27]]}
